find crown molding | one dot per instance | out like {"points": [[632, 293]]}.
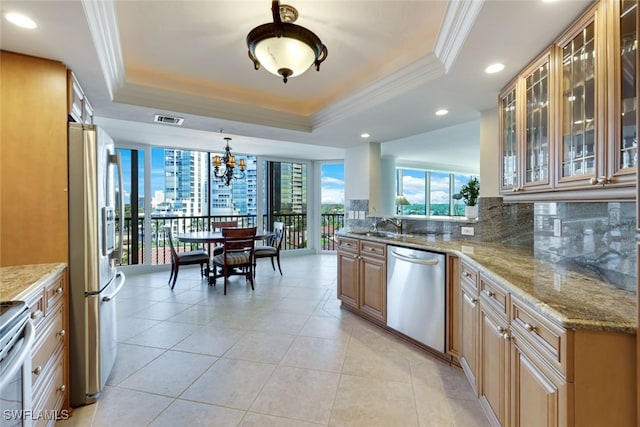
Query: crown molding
{"points": [[458, 21], [103, 26], [146, 96], [419, 72]]}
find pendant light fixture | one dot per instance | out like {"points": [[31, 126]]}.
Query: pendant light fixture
{"points": [[225, 167], [283, 48]]}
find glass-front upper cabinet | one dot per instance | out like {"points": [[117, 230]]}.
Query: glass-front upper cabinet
{"points": [[578, 144], [537, 87], [508, 140], [624, 156]]}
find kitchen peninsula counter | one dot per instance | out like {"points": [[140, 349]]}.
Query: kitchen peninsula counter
{"points": [[20, 280], [574, 300]]}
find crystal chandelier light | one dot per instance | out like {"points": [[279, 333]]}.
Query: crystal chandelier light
{"points": [[283, 48], [225, 168]]}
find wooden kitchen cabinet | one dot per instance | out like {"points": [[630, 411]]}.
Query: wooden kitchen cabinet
{"points": [[493, 373], [623, 99], [33, 166], [469, 317], [530, 371], [568, 126], [362, 277], [581, 54], [373, 279], [539, 396], [348, 272], [49, 311], [79, 109], [526, 107]]}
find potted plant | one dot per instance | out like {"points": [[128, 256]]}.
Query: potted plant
{"points": [[469, 194]]}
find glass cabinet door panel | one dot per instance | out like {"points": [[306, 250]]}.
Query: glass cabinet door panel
{"points": [[509, 140], [628, 81], [536, 125], [578, 104]]}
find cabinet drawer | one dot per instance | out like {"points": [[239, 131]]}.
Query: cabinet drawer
{"points": [[347, 244], [495, 295], [372, 249], [35, 302], [51, 336], [54, 292], [469, 275], [549, 339], [49, 398]]}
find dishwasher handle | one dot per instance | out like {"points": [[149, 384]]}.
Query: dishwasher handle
{"points": [[414, 260]]}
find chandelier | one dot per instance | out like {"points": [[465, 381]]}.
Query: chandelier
{"points": [[225, 168], [283, 48]]}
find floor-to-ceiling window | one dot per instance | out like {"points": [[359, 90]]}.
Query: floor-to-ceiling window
{"points": [[285, 200], [430, 192], [331, 203], [182, 192]]}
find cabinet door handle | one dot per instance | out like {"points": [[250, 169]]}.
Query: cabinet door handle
{"points": [[62, 388], [472, 300], [466, 274], [36, 314], [38, 370], [59, 290], [501, 330], [62, 333], [529, 327], [489, 293]]}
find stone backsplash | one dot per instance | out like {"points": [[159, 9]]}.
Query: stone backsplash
{"points": [[597, 239]]}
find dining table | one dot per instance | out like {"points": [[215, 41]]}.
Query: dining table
{"points": [[212, 237]]}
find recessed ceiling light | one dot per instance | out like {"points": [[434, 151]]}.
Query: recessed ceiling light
{"points": [[364, 135], [20, 20], [442, 112], [494, 68]]}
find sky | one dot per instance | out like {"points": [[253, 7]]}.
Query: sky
{"points": [[332, 180]]}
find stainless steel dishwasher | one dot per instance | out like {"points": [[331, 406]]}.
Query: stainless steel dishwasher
{"points": [[416, 295]]}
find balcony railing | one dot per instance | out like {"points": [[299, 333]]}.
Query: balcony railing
{"points": [[295, 233]]}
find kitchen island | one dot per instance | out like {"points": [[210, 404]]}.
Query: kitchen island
{"points": [[573, 299], [541, 343]]}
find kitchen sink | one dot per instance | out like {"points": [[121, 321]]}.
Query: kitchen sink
{"points": [[380, 234]]}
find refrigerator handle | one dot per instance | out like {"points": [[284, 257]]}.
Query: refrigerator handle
{"points": [[117, 160], [119, 276]]}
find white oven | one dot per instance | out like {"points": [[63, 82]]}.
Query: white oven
{"points": [[16, 340]]}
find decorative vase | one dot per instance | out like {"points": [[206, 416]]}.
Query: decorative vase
{"points": [[471, 212]]}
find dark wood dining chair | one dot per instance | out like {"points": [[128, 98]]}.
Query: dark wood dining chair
{"points": [[238, 255], [198, 256], [218, 226], [272, 247]]}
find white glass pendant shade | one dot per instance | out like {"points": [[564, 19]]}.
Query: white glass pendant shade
{"points": [[283, 48], [277, 53]]}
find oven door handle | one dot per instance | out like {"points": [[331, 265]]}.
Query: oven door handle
{"points": [[16, 361]]}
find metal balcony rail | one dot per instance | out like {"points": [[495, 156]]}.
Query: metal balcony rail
{"points": [[295, 234]]}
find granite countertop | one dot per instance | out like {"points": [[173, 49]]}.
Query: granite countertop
{"points": [[573, 300], [17, 281]]}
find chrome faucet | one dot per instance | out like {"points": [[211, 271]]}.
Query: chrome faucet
{"points": [[396, 222]]}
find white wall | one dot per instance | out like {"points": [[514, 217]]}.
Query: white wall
{"points": [[362, 175], [489, 157]]}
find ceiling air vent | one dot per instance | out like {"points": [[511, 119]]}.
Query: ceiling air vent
{"points": [[168, 120]]}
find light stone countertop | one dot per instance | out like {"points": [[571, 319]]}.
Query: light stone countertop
{"points": [[572, 300], [18, 281]]}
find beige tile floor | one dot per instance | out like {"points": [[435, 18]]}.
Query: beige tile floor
{"points": [[282, 355]]}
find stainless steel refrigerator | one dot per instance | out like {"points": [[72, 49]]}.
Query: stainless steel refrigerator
{"points": [[94, 253]]}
